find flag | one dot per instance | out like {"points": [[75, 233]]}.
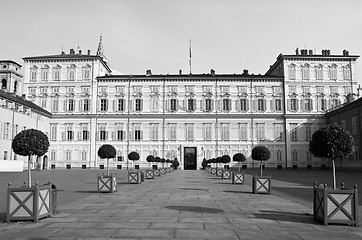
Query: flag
{"points": [[190, 56]]}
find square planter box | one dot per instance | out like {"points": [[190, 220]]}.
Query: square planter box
{"points": [[219, 172], [213, 170], [30, 203], [157, 172], [226, 174], [168, 170], [150, 174], [163, 171], [261, 184], [237, 178], [134, 177], [107, 184], [335, 206]]}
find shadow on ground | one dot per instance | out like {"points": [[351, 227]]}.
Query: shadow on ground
{"points": [[286, 216], [231, 191], [194, 209]]}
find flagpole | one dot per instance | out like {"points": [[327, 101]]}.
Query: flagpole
{"points": [[190, 57]]}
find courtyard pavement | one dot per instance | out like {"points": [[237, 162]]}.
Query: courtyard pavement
{"points": [[180, 205]]}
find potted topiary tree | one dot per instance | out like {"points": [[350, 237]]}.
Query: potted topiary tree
{"points": [[134, 176], [107, 183], [261, 184], [149, 172], [226, 174], [38, 200], [334, 205], [238, 177]]}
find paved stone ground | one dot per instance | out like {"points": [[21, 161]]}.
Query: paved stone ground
{"points": [[180, 205]]}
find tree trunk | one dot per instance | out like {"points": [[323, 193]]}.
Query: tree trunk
{"points": [[334, 174], [261, 168], [29, 171], [107, 166], [239, 167]]}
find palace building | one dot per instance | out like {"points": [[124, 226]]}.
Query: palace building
{"points": [[186, 116]]}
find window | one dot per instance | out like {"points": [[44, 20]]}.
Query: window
{"points": [[308, 132], [347, 90], [243, 128], [278, 104], [85, 132], [53, 132], [53, 155], [244, 104], [69, 132], [320, 89], [102, 132], [277, 90], [260, 89], [261, 104], [225, 131], [207, 131], [242, 89], [308, 104], [86, 105], [347, 72], [120, 157], [291, 72], [306, 89], [137, 89], [260, 131], [172, 89], [71, 73], [292, 89], [86, 73], [68, 156], [293, 104], [33, 74], [70, 105], [278, 131], [56, 74], [43, 103], [84, 154], [333, 72], [305, 72], [154, 131], [44, 73], [189, 131], [102, 89], [32, 90], [293, 132], [55, 90], [354, 126], [294, 156], [155, 104], [120, 135], [120, 105], [154, 89], [5, 155], [191, 104], [225, 89], [173, 105], [208, 104], [207, 89], [319, 72], [335, 102], [226, 104], [103, 105], [323, 104], [6, 130], [334, 90], [119, 89], [190, 89], [138, 105], [85, 89], [172, 131], [137, 132], [279, 155]]}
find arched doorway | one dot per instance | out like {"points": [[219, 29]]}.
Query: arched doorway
{"points": [[45, 162], [4, 83]]}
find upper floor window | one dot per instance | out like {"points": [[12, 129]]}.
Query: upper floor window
{"points": [[56, 73], [69, 132], [243, 131], [225, 131], [155, 103], [173, 104], [189, 131], [33, 73], [32, 90], [277, 89], [84, 131], [261, 104], [155, 89], [138, 105], [226, 104], [319, 72], [137, 89], [308, 104], [242, 89], [55, 90], [242, 104], [208, 104], [103, 105], [207, 89], [278, 131], [306, 89], [333, 72], [85, 89], [278, 104], [119, 89], [334, 90], [137, 133], [292, 89], [191, 104], [154, 131], [43, 90], [293, 104], [71, 72], [225, 89], [69, 90], [172, 89], [85, 105], [291, 72], [260, 131], [293, 131], [55, 105], [207, 131], [347, 90], [320, 89], [119, 105], [102, 132], [260, 89], [70, 105], [308, 131], [86, 72], [102, 89], [53, 132], [172, 131], [347, 72], [44, 73], [305, 72]]}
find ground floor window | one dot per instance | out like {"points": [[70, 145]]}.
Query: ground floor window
{"points": [[68, 166]]}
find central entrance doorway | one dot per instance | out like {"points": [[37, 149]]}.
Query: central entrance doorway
{"points": [[190, 162]]}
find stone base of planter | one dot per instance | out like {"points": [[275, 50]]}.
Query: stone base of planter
{"points": [[261, 184], [162, 170], [168, 170], [226, 174], [157, 172], [106, 184], [335, 206], [150, 174], [134, 177], [237, 178], [219, 172], [213, 170], [29, 203]]}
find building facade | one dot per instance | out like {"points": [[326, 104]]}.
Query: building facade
{"points": [[186, 116], [17, 113]]}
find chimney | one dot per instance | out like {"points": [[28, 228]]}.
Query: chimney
{"points": [[80, 52], [63, 53], [180, 72], [72, 51], [212, 72], [297, 51], [245, 72], [328, 52], [310, 52], [88, 52], [148, 72]]}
